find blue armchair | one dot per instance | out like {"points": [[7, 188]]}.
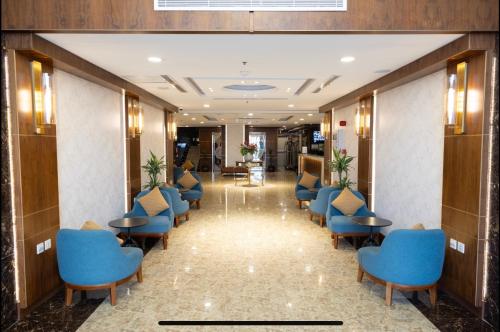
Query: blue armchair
{"points": [[409, 260], [181, 207], [93, 259], [157, 226], [194, 194], [303, 194], [343, 226], [318, 206]]}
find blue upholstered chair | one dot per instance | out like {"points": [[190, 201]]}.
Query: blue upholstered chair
{"points": [[181, 207], [93, 259], [303, 194], [343, 226], [157, 226], [318, 206], [408, 259], [194, 194]]}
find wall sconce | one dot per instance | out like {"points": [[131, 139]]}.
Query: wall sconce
{"points": [[174, 131], [359, 120], [322, 129], [457, 99], [135, 118], [41, 97]]}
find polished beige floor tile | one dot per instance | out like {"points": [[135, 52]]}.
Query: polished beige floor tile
{"points": [[251, 254]]}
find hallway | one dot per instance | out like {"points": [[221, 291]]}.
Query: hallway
{"points": [[251, 254]]}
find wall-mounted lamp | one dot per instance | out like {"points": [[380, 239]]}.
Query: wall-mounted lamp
{"points": [[135, 118], [41, 97], [359, 120], [457, 99], [322, 129]]}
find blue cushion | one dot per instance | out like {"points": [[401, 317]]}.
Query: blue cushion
{"points": [[180, 206], [156, 224], [344, 224], [94, 257], [406, 257], [191, 195], [305, 195], [319, 205]]}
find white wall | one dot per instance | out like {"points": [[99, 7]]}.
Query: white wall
{"points": [[152, 138], [90, 151], [350, 138], [409, 152], [235, 136]]}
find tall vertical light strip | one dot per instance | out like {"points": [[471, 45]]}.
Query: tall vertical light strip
{"points": [[488, 176], [330, 131], [124, 137], [11, 173], [373, 130]]}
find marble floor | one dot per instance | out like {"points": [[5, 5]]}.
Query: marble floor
{"points": [[251, 254]]}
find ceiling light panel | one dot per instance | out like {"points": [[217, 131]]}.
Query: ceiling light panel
{"points": [[173, 83]]}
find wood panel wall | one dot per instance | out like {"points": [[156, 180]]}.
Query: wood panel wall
{"points": [[205, 144], [328, 125], [139, 16], [271, 155], [463, 210], [133, 157], [35, 188], [365, 148]]}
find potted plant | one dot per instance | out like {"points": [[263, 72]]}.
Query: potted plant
{"points": [[247, 151], [341, 165], [153, 168]]}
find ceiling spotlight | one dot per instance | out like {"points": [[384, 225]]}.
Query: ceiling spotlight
{"points": [[291, 105], [154, 59], [211, 90], [193, 119], [256, 82], [295, 122], [242, 82], [206, 105], [222, 119], [186, 114], [202, 122], [289, 90], [347, 59], [250, 114], [301, 119], [310, 114]]}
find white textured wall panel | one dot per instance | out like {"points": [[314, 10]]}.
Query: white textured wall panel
{"points": [[153, 137], [409, 152], [235, 136], [350, 138], [90, 156]]}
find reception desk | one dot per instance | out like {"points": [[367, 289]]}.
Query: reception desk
{"points": [[312, 164]]}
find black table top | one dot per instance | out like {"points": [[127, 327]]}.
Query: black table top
{"points": [[372, 221], [128, 222]]}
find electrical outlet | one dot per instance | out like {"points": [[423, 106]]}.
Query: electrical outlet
{"points": [[47, 244], [453, 244], [461, 247], [40, 248]]}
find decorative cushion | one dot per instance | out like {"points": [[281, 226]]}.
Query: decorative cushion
{"points": [[418, 226], [347, 202], [308, 180], [153, 202], [187, 181], [92, 225], [187, 164]]}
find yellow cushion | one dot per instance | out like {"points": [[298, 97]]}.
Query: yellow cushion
{"points": [[187, 164], [418, 226], [308, 180], [153, 202], [187, 181], [347, 202], [92, 225]]}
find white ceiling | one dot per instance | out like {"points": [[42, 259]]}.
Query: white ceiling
{"points": [[284, 61]]}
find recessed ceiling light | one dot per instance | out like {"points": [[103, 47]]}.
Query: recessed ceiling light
{"points": [[291, 105], [301, 119], [219, 126], [284, 126], [256, 82], [155, 59], [193, 119], [347, 59], [202, 122], [274, 119], [211, 90], [250, 114], [186, 114], [310, 114], [222, 119], [206, 105], [242, 82], [289, 89], [295, 122]]}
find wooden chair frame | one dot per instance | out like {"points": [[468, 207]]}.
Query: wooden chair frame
{"points": [[389, 286], [337, 236], [176, 219], [197, 202], [112, 287], [322, 217], [299, 202]]}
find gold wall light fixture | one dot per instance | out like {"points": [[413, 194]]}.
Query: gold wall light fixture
{"points": [[359, 120], [42, 98], [135, 117], [457, 99]]}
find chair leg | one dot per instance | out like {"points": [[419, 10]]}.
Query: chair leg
{"points": [[433, 294], [360, 273], [176, 221], [321, 221], [198, 204], [69, 296], [187, 216], [139, 274], [300, 204], [388, 293], [165, 241], [310, 216], [336, 241], [112, 294]]}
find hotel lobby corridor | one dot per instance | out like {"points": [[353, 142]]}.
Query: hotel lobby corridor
{"points": [[251, 254]]}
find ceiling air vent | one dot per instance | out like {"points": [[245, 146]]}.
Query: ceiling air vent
{"points": [[209, 118], [285, 118], [252, 5]]}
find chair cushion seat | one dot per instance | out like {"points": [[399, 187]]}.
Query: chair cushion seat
{"points": [[344, 224], [191, 195], [157, 224], [305, 194], [135, 255], [317, 208], [181, 208]]}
